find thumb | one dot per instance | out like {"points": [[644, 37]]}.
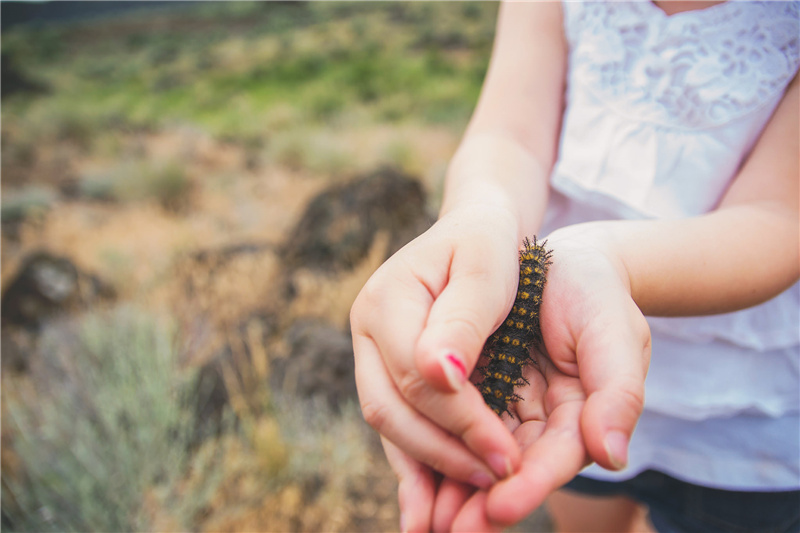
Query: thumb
{"points": [[478, 295], [608, 420], [615, 397]]}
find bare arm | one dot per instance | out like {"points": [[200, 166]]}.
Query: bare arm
{"points": [[510, 145]]}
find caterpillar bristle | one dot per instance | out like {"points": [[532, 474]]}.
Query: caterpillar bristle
{"points": [[507, 351]]}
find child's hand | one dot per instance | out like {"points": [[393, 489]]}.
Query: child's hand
{"points": [[582, 402], [547, 427], [418, 328]]}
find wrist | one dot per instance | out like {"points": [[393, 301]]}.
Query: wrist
{"points": [[495, 220], [593, 239]]}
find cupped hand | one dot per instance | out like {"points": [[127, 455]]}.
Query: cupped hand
{"points": [[584, 398], [418, 328], [546, 424]]}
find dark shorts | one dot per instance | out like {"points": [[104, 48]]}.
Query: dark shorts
{"points": [[677, 506]]}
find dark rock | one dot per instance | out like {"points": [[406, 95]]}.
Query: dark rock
{"points": [[319, 364], [340, 224], [46, 284], [16, 345], [210, 397]]}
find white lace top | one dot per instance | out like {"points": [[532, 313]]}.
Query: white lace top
{"points": [[661, 112]]}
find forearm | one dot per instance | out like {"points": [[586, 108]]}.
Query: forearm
{"points": [[508, 150], [492, 170], [730, 259]]}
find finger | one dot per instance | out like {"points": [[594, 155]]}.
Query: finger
{"points": [[473, 518], [466, 417], [388, 413], [449, 500], [613, 368], [551, 458], [463, 414], [609, 420], [533, 404], [478, 295], [416, 489]]}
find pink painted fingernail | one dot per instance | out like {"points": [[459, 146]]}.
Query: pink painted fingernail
{"points": [[454, 371], [501, 465], [481, 479], [403, 523], [616, 445]]}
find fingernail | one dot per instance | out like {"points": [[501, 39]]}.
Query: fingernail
{"points": [[454, 371], [501, 465], [616, 445], [403, 523], [481, 479]]}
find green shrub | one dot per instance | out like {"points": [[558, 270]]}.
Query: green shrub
{"points": [[316, 151], [29, 201], [110, 424], [164, 181]]}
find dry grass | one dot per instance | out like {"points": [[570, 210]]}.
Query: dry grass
{"points": [[104, 418]]}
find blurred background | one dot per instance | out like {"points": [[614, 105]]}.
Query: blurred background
{"points": [[192, 196]]}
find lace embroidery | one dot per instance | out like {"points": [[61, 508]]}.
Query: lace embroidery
{"points": [[682, 70]]}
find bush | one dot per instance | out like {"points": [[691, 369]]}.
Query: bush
{"points": [[110, 425], [25, 202], [165, 182]]}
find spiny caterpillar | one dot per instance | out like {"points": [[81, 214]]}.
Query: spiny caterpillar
{"points": [[507, 350]]}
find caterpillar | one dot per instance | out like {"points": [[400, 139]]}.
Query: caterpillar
{"points": [[507, 350]]}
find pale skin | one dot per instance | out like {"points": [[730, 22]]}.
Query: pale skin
{"points": [[421, 320]]}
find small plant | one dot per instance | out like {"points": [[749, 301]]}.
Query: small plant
{"points": [[107, 423], [26, 202], [318, 151], [165, 182]]}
